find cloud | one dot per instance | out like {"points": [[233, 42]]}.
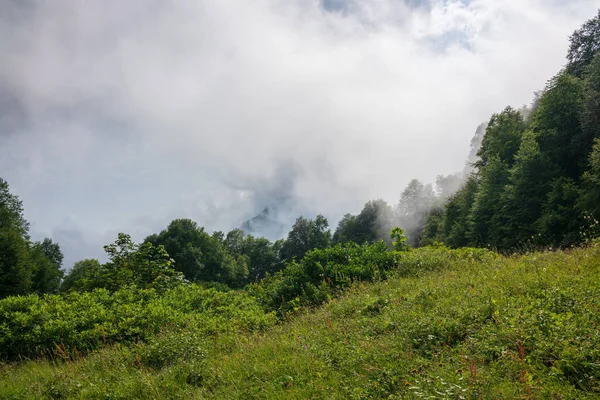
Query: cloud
{"points": [[127, 116]]}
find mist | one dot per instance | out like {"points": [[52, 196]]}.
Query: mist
{"points": [[124, 117]]}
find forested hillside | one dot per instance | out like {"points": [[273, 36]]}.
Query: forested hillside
{"points": [[485, 287], [536, 181]]}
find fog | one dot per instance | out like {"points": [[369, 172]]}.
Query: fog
{"points": [[121, 116]]}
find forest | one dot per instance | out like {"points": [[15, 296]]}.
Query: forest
{"points": [[526, 204]]}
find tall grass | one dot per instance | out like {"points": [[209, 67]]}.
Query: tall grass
{"points": [[462, 324]]}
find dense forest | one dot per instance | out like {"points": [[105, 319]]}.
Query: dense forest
{"points": [[536, 179], [531, 183]]}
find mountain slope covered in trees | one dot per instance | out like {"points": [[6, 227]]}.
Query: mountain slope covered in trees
{"points": [[536, 177]]}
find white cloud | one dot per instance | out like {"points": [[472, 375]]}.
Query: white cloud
{"points": [[143, 111]]}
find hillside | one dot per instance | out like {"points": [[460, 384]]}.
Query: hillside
{"points": [[455, 324]]}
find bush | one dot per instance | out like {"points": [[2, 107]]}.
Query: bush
{"points": [[74, 323], [322, 273]]}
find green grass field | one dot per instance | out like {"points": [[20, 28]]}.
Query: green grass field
{"points": [[462, 327]]}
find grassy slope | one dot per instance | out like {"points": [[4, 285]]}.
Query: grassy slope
{"points": [[518, 327]]}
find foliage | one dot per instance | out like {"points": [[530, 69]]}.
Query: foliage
{"points": [[306, 235], [454, 227], [322, 273], [259, 254], [442, 321], [47, 257], [414, 206], [590, 117], [535, 175], [25, 267], [80, 275], [560, 222], [522, 198], [144, 266], [557, 124], [399, 239], [465, 324], [199, 256], [370, 225], [485, 218], [76, 323], [585, 43], [15, 272], [11, 211], [502, 138], [590, 195]]}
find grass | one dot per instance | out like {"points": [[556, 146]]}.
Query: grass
{"points": [[491, 328]]}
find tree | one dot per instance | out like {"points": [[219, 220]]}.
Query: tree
{"points": [[454, 225], [11, 212], [15, 270], [398, 239], [416, 202], [432, 229], [15, 266], [485, 219], [259, 253], [46, 258], [523, 196], [52, 251], [534, 180], [557, 125], [186, 242], [376, 219], [25, 267], [81, 276], [590, 118], [145, 266], [584, 44], [348, 230], [373, 223], [306, 235], [446, 186], [527, 111], [198, 255], [502, 138], [589, 200], [475, 145], [560, 221], [221, 266], [262, 258]]}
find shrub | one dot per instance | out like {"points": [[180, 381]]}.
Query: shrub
{"points": [[322, 273], [75, 323]]}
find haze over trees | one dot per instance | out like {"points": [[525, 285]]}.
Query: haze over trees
{"points": [[532, 182], [532, 179]]}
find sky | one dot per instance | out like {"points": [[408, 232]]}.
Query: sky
{"points": [[122, 117]]}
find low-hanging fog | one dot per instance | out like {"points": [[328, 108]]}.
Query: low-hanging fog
{"points": [[120, 116]]}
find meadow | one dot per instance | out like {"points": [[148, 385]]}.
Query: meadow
{"points": [[434, 323]]}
